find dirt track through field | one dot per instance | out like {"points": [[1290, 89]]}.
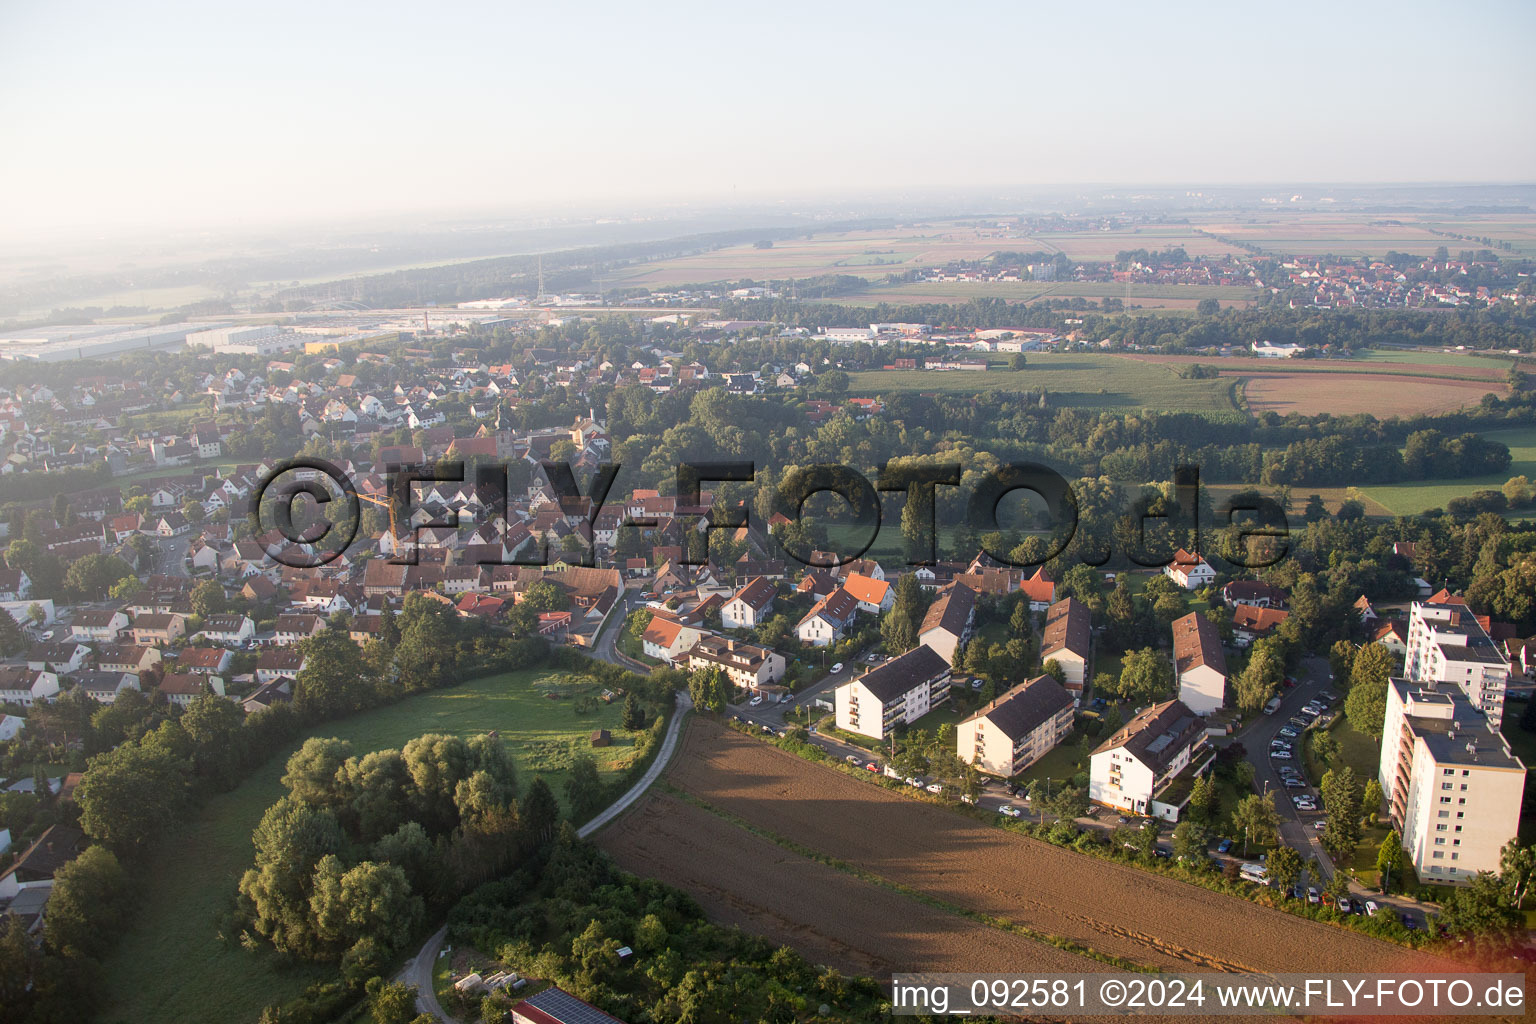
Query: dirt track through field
{"points": [[1110, 908]]}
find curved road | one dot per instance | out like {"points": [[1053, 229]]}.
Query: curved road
{"points": [[418, 970]]}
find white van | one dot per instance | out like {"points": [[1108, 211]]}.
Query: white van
{"points": [[1256, 873], [1371, 906], [1272, 706]]}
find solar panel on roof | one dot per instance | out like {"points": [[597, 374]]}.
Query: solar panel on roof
{"points": [[568, 1009]]}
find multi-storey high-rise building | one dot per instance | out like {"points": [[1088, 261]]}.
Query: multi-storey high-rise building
{"points": [[1453, 786], [1447, 644]]}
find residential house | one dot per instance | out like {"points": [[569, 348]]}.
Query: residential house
{"points": [[1148, 765], [746, 665], [290, 629], [62, 657], [1040, 589], [1068, 641], [15, 585], [20, 684], [159, 628], [1254, 594], [1251, 622], [828, 619], [1009, 734], [204, 660], [134, 658], [667, 639], [750, 605], [1189, 571], [228, 629], [949, 621], [103, 626], [1199, 663], [277, 691], [182, 688], [875, 596], [103, 687], [38, 863], [278, 664], [900, 691]]}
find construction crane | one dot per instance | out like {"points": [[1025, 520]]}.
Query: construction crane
{"points": [[387, 503]]}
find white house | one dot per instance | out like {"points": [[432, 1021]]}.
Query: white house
{"points": [[1140, 764], [900, 691], [1199, 663], [749, 606], [228, 629], [26, 686], [103, 687], [875, 597], [828, 618], [104, 626], [746, 665], [1189, 571], [668, 639]]}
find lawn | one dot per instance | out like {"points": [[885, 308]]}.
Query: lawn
{"points": [[1406, 499], [170, 966], [1082, 379]]}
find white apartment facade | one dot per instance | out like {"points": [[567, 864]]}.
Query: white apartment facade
{"points": [[1141, 762], [1446, 644], [899, 692], [1453, 787]]}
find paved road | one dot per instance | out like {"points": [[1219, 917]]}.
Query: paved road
{"points": [[1297, 828], [605, 648], [418, 970]]}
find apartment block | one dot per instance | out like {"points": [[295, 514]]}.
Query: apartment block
{"points": [[1447, 644], [1017, 729], [1453, 786], [899, 692]]}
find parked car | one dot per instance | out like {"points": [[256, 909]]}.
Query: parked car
{"points": [[1371, 906], [1320, 824], [755, 701], [1225, 846], [852, 759], [934, 787], [1280, 755], [1313, 896], [872, 766], [1409, 921], [1293, 783], [1327, 697], [1010, 811], [1123, 820], [837, 668], [1289, 732], [1345, 906], [966, 798], [914, 783]]}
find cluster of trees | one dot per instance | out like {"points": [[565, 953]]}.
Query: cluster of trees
{"points": [[346, 860], [564, 917]]}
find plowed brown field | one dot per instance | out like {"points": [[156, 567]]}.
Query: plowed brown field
{"points": [[1108, 907], [831, 917]]}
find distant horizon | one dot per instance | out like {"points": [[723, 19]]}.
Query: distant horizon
{"points": [[159, 117]]}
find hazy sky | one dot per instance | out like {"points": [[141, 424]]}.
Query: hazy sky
{"points": [[178, 113]]}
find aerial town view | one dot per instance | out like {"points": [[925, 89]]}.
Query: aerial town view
{"points": [[679, 515]]}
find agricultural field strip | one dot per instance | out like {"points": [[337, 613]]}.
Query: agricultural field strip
{"points": [[1133, 913], [828, 915], [872, 878]]}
